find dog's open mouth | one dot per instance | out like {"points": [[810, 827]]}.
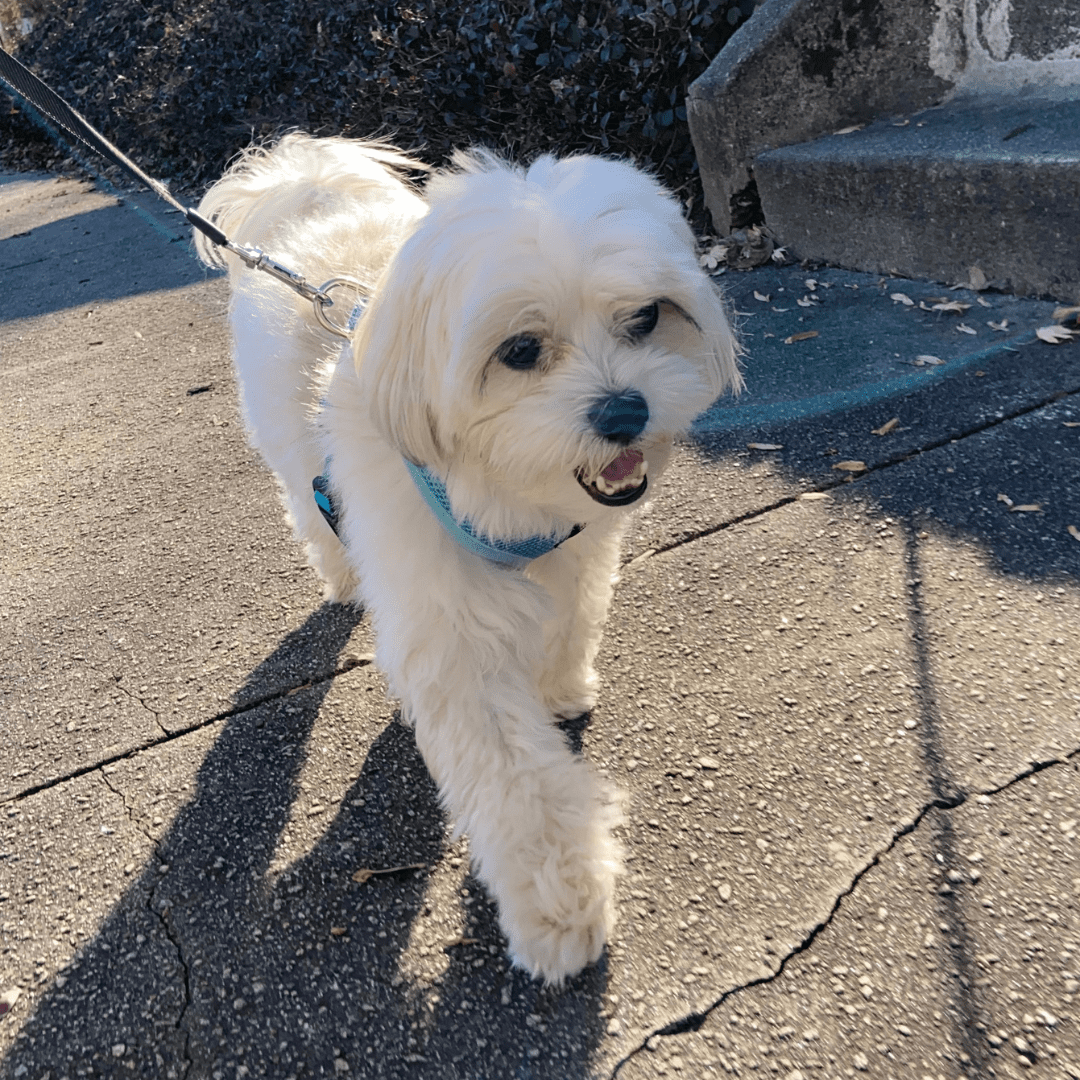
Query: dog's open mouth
{"points": [[620, 483]]}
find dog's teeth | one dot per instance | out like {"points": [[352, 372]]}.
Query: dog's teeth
{"points": [[633, 480]]}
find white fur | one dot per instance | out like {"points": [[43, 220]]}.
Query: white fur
{"points": [[482, 657]]}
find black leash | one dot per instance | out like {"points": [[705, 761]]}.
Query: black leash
{"points": [[26, 85]]}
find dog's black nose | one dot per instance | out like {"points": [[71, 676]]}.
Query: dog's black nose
{"points": [[619, 417]]}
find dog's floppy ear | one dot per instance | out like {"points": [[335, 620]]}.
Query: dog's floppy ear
{"points": [[398, 347], [721, 353]]}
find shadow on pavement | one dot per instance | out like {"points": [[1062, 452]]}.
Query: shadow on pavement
{"points": [[91, 257], [1032, 459], [218, 967]]}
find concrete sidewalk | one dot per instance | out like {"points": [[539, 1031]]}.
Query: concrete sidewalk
{"points": [[841, 690]]}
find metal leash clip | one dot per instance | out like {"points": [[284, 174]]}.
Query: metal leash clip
{"points": [[319, 297], [30, 88]]}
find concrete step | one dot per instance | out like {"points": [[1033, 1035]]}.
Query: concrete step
{"points": [[989, 181]]}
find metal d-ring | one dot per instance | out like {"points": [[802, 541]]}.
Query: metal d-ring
{"points": [[321, 301]]}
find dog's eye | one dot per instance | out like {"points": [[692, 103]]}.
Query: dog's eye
{"points": [[643, 322], [520, 353]]}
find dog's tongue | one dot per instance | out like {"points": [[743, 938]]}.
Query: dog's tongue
{"points": [[622, 466]]}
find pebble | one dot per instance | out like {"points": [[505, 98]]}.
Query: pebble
{"points": [[724, 889], [708, 763], [118, 1050], [861, 1062]]}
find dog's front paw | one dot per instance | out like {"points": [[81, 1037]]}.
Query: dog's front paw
{"points": [[560, 926], [556, 891], [570, 697]]}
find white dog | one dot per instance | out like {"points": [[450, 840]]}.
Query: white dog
{"points": [[533, 341]]}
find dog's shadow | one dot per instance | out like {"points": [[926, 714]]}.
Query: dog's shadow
{"points": [[218, 967]]}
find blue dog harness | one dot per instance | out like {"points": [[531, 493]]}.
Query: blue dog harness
{"points": [[514, 553]]}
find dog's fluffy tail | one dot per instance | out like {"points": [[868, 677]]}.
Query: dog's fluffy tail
{"points": [[268, 186]]}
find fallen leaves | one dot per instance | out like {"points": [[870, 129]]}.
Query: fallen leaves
{"points": [[1074, 532], [965, 329], [1054, 335], [1023, 508], [764, 446], [712, 258], [851, 466], [763, 297], [902, 298], [364, 874], [933, 361], [1062, 313], [1001, 327], [888, 426], [956, 306], [976, 280], [460, 940], [805, 335]]}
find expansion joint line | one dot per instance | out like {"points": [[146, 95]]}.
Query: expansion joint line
{"points": [[824, 489], [315, 680], [694, 1021]]}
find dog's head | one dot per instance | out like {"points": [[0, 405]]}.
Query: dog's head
{"points": [[542, 337]]}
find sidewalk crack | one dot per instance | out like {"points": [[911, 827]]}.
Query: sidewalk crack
{"points": [[694, 1021], [162, 912]]}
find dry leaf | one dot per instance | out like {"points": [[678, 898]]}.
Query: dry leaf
{"points": [[965, 329], [1071, 423], [813, 496], [811, 283], [800, 337], [765, 446], [851, 466], [982, 303], [1053, 335], [339, 931], [849, 130], [999, 326], [364, 874], [902, 298], [1074, 532], [1026, 508], [758, 296], [976, 279], [805, 302], [1062, 313], [900, 123], [957, 306], [1005, 499], [781, 310], [886, 427], [932, 360], [459, 940]]}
